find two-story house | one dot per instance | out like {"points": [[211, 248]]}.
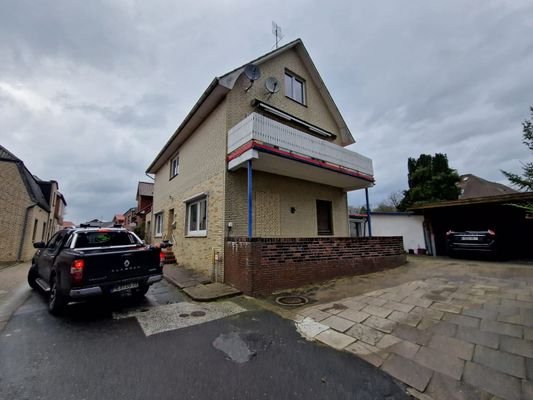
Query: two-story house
{"points": [[260, 158], [145, 198]]}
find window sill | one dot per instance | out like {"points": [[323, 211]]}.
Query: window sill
{"points": [[196, 235], [158, 236]]}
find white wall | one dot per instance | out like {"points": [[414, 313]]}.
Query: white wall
{"points": [[408, 226]]}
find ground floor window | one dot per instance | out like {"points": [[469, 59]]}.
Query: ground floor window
{"points": [[197, 217], [158, 224], [323, 217]]}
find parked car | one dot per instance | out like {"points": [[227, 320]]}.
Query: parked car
{"points": [[79, 263], [483, 241]]}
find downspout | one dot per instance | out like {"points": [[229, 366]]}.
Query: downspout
{"points": [[21, 246], [368, 214], [146, 173]]}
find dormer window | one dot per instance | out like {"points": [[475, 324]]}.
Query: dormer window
{"points": [[174, 167], [294, 87]]}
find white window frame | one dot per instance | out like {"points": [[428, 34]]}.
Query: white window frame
{"points": [[290, 91], [196, 232], [158, 224], [174, 166]]}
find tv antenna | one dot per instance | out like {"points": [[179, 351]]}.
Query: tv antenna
{"points": [[276, 31]]}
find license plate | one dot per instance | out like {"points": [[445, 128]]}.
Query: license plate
{"points": [[126, 286], [470, 238]]}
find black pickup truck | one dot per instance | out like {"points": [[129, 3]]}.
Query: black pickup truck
{"points": [[83, 262]]}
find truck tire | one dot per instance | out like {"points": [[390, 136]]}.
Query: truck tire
{"points": [[32, 277], [57, 301]]}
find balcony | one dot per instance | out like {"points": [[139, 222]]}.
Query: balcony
{"points": [[279, 149]]}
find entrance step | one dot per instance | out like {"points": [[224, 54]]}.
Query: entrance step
{"points": [[211, 291]]}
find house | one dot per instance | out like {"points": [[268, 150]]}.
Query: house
{"points": [[473, 186], [31, 209], [145, 198], [118, 219], [130, 218], [68, 225], [259, 167]]}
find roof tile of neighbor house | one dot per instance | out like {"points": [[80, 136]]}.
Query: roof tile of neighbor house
{"points": [[145, 189], [220, 86], [33, 188], [473, 186]]}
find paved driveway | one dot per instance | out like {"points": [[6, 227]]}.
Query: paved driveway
{"points": [[450, 329]]}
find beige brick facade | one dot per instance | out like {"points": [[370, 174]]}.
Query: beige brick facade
{"points": [[14, 201]]}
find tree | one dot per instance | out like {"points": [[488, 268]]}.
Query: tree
{"points": [[430, 179], [385, 206], [524, 182]]}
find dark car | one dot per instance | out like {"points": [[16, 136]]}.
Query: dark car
{"points": [[472, 242], [79, 263]]}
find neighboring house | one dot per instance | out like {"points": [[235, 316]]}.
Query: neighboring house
{"points": [[96, 223], [405, 224], [68, 224], [256, 160], [473, 186], [145, 199], [118, 219], [130, 218], [26, 214]]}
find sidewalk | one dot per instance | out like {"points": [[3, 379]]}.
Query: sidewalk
{"points": [[13, 290]]}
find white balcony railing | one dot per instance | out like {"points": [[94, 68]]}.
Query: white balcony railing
{"points": [[268, 131]]}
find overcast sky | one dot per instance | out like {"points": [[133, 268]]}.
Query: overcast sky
{"points": [[91, 90]]}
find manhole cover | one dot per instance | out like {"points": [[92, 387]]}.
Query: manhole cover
{"points": [[197, 313], [184, 315], [292, 300]]}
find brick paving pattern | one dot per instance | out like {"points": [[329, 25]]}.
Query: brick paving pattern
{"points": [[441, 337]]}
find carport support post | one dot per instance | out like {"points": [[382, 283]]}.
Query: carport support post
{"points": [[250, 221], [368, 214]]}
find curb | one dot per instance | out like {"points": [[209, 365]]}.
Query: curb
{"points": [[18, 297]]}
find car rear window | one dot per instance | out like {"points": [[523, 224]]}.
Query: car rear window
{"points": [[104, 239]]}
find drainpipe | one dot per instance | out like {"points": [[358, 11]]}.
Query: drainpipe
{"points": [[250, 221], [368, 214], [21, 245]]}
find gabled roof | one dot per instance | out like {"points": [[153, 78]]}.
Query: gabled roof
{"points": [[473, 186], [32, 187], [145, 189], [220, 86]]}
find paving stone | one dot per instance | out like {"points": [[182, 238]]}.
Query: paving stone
{"points": [[443, 328], [501, 327], [462, 320], [441, 361], [381, 324], [354, 315], [333, 308], [494, 382], [337, 323], [378, 302], [335, 339], [388, 341], [517, 346], [377, 311], [411, 334], [365, 334], [449, 308], [528, 334], [310, 328], [407, 371], [405, 318], [428, 313], [506, 309], [527, 390], [426, 323], [526, 317], [393, 305], [500, 361], [529, 368], [480, 313], [353, 305], [510, 319], [476, 336], [452, 346], [394, 296], [446, 388], [525, 297], [318, 315], [417, 301], [517, 303], [361, 348], [372, 358], [405, 349]]}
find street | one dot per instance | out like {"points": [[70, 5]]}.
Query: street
{"points": [[121, 350]]}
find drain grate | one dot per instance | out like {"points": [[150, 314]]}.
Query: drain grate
{"points": [[292, 301], [197, 314]]}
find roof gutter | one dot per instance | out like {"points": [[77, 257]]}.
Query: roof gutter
{"points": [[21, 245]]}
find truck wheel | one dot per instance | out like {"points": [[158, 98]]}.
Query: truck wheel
{"points": [[57, 301], [140, 291], [32, 277]]}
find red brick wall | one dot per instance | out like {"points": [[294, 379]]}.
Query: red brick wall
{"points": [[260, 266]]}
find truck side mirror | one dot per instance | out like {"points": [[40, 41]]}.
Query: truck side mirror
{"points": [[39, 245]]}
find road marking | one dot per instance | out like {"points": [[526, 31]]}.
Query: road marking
{"points": [[169, 317]]}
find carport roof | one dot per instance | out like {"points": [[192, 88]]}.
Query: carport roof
{"points": [[505, 198]]}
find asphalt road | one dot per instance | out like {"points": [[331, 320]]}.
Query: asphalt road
{"points": [[254, 354]]}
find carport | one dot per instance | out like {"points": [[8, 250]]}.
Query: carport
{"points": [[513, 225]]}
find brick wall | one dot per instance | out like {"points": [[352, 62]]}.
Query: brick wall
{"points": [[261, 266]]}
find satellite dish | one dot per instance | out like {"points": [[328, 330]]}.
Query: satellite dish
{"points": [[252, 72], [272, 85]]}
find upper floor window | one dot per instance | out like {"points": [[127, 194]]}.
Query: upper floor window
{"points": [[294, 87], [174, 167]]}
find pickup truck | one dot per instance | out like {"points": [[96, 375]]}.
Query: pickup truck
{"points": [[84, 262]]}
